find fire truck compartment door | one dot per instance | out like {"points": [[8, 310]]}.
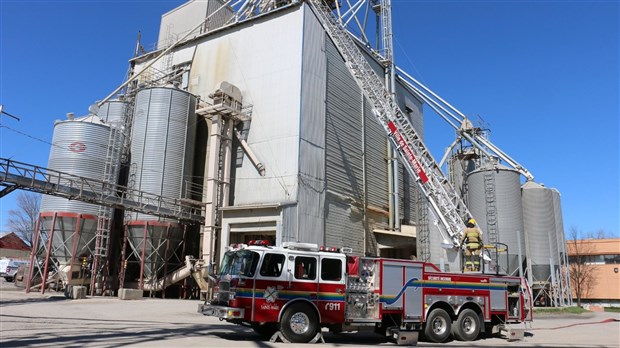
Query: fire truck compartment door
{"points": [[400, 288]]}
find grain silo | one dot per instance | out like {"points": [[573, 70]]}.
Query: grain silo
{"points": [[539, 217], [162, 153], [79, 147], [494, 200], [113, 112]]}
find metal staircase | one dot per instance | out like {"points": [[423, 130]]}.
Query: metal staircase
{"points": [[444, 200]]}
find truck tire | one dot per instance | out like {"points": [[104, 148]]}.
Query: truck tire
{"points": [[8, 279], [299, 323], [467, 326], [437, 327]]}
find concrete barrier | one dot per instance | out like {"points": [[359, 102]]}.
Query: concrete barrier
{"points": [[129, 294], [75, 292]]}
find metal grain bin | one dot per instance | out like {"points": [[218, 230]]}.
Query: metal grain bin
{"points": [[494, 200], [112, 112], [79, 147], [540, 229], [162, 144]]}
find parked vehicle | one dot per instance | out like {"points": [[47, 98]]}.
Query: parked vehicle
{"points": [[8, 268]]}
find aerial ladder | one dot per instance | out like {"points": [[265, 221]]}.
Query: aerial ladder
{"points": [[443, 199]]}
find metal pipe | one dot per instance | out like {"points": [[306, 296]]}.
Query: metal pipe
{"points": [[431, 92], [248, 151]]}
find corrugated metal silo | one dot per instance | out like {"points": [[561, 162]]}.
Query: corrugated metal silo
{"points": [[494, 200], [540, 229], [560, 246], [79, 147], [162, 152], [112, 112]]}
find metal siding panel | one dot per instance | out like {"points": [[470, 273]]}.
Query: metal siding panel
{"points": [[376, 161], [311, 190], [343, 128], [269, 77], [343, 226], [289, 223]]}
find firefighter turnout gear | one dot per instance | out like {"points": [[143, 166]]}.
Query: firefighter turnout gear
{"points": [[472, 243]]}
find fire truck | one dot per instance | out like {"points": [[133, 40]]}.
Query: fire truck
{"points": [[295, 290]]}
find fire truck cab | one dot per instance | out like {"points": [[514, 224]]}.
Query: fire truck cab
{"points": [[299, 288]]}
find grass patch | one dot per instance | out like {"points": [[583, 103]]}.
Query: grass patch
{"points": [[560, 310], [612, 309]]}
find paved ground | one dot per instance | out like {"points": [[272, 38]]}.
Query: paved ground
{"points": [[50, 320]]}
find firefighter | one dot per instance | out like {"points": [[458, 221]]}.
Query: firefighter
{"points": [[471, 241]]}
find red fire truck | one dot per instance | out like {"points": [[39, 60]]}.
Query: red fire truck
{"points": [[298, 288]]}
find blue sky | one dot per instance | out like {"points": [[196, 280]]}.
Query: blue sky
{"points": [[544, 75]]}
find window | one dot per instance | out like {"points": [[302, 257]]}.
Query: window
{"points": [[242, 262], [612, 259], [331, 269], [305, 268], [272, 265]]}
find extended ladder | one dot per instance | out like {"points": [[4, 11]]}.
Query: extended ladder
{"points": [[444, 200]]}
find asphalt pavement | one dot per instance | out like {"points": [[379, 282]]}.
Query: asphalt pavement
{"points": [[51, 320]]}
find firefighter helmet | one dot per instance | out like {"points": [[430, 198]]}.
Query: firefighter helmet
{"points": [[471, 222]]}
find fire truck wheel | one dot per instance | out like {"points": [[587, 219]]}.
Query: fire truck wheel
{"points": [[467, 326], [299, 323], [437, 328]]}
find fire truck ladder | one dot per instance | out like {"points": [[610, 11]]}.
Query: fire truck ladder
{"points": [[445, 202]]}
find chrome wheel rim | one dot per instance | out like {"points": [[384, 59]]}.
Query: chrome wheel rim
{"points": [[439, 326], [468, 325], [300, 323]]}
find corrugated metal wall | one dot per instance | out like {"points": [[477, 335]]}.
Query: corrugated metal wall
{"points": [[343, 155], [311, 189], [162, 147]]}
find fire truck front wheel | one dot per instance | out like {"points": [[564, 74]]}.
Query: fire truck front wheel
{"points": [[467, 326], [299, 323], [437, 327]]}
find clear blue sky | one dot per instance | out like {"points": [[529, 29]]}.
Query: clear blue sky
{"points": [[543, 74]]}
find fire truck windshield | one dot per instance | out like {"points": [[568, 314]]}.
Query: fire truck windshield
{"points": [[240, 262]]}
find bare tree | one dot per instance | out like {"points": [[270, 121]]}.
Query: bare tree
{"points": [[22, 220], [581, 269]]}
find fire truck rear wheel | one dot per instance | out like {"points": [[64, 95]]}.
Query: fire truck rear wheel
{"points": [[467, 326], [299, 323], [437, 327]]}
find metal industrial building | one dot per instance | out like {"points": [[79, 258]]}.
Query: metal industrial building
{"points": [[327, 162], [252, 115]]}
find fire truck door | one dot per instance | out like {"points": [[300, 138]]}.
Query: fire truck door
{"points": [[400, 288], [331, 297]]}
